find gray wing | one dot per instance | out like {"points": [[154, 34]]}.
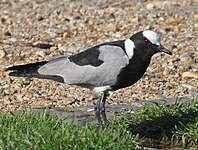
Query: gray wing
{"points": [[113, 59]]}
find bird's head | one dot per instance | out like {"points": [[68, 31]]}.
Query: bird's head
{"points": [[148, 42]]}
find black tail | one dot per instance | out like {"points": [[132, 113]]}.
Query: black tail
{"points": [[31, 70], [27, 70]]}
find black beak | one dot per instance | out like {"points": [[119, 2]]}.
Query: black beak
{"points": [[163, 49]]}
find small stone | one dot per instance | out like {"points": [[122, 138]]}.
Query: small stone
{"points": [[188, 86], [40, 54], [59, 45], [134, 19], [70, 48], [2, 92], [7, 33], [3, 20], [152, 15], [2, 54], [13, 39], [25, 54], [186, 58], [67, 34], [19, 97], [76, 15], [63, 48], [150, 6], [42, 45], [53, 48], [161, 18], [40, 18], [190, 75]]}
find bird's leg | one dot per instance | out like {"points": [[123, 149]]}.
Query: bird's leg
{"points": [[103, 112], [97, 110], [100, 109]]}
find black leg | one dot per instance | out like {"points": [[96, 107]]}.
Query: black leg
{"points": [[103, 110], [97, 110], [100, 109]]}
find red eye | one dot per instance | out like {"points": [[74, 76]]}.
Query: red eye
{"points": [[146, 41]]}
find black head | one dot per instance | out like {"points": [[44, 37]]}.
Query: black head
{"points": [[148, 43]]}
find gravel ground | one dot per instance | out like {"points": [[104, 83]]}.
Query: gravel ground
{"points": [[36, 30]]}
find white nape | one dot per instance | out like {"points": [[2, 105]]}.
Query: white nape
{"points": [[129, 47]]}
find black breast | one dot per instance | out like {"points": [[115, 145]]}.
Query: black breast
{"points": [[131, 73]]}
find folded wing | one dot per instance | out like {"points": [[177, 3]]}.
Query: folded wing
{"points": [[97, 66]]}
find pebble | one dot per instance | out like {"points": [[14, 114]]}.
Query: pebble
{"points": [[186, 58], [134, 19], [63, 48], [40, 54], [190, 75], [2, 92], [188, 86], [13, 39], [42, 45], [53, 48], [2, 54], [150, 6], [70, 48], [7, 33]]}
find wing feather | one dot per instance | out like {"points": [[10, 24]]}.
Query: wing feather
{"points": [[84, 73]]}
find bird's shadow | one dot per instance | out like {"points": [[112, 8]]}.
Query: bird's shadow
{"points": [[155, 130]]}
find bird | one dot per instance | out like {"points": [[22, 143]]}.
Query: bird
{"points": [[102, 68]]}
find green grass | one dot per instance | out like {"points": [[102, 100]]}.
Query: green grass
{"points": [[154, 126], [164, 125], [30, 131]]}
